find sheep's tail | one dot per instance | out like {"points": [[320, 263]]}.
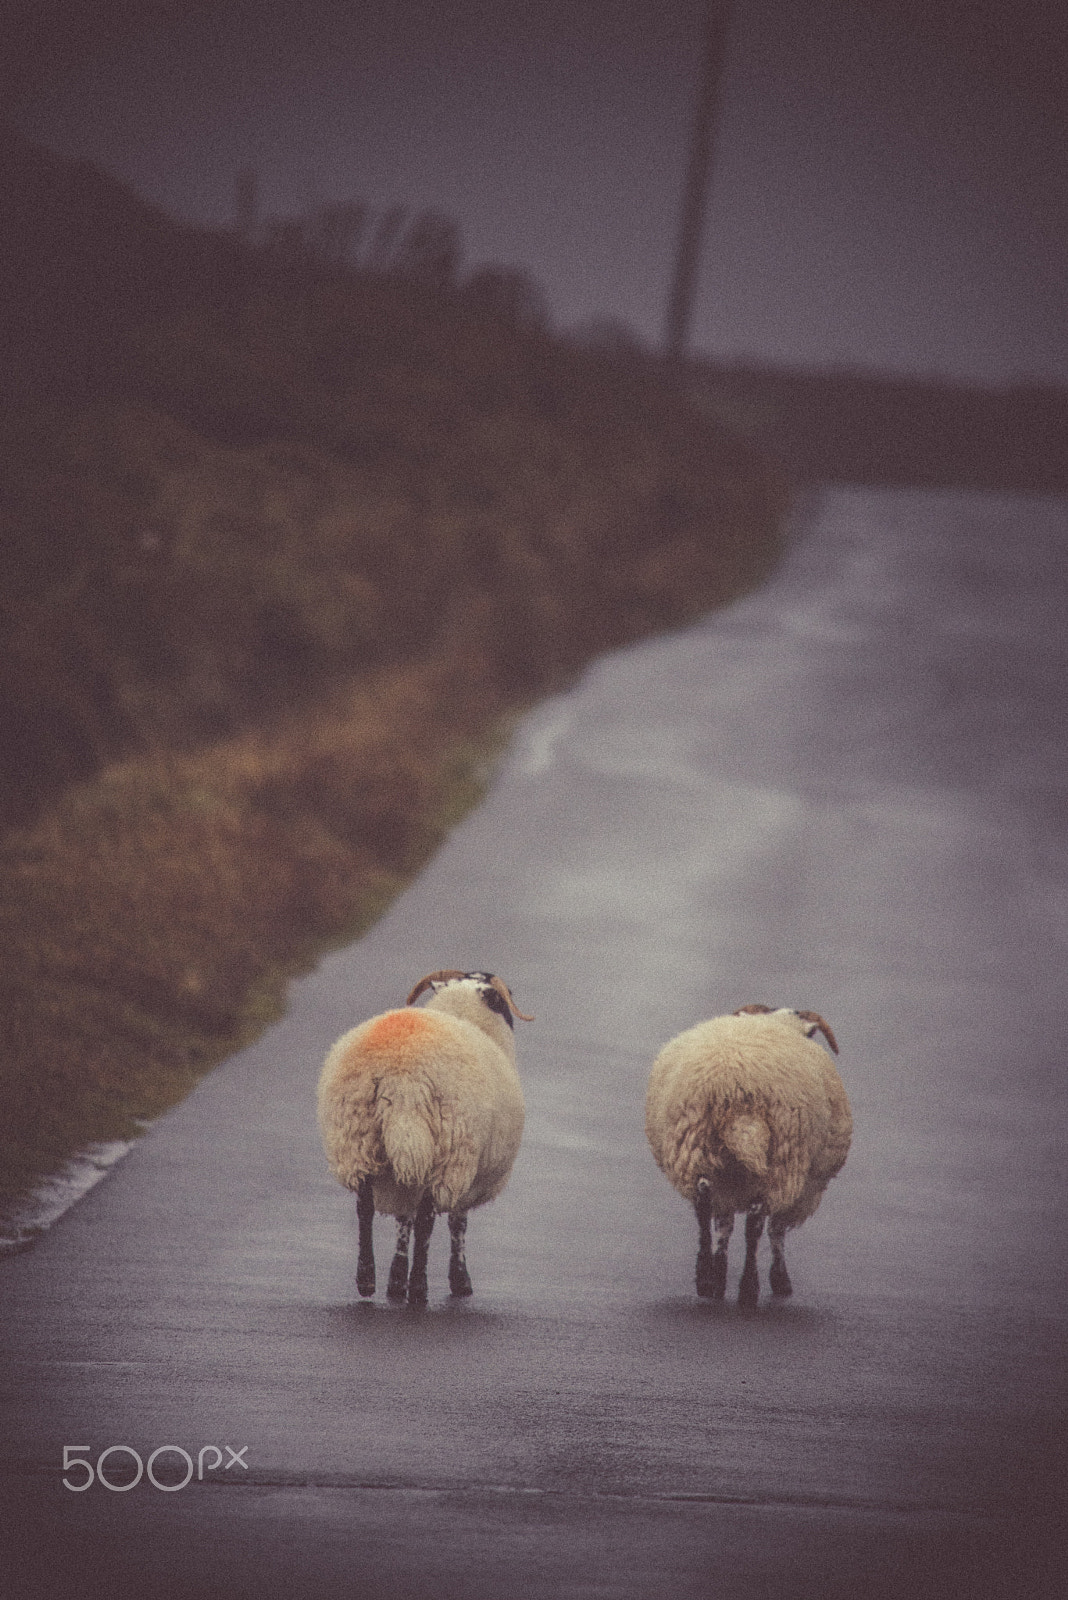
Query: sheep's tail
{"points": [[406, 1120], [748, 1139]]}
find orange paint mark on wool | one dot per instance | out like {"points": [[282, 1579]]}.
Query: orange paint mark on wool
{"points": [[399, 1033]]}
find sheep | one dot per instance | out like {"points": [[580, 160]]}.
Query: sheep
{"points": [[422, 1112], [742, 1114]]}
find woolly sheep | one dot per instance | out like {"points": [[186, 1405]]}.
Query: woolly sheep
{"points": [[747, 1113], [422, 1112]]}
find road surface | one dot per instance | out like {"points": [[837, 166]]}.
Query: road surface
{"points": [[843, 793]]}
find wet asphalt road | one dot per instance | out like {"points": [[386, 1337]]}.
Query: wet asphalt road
{"points": [[845, 793]]}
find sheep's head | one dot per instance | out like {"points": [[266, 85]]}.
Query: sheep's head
{"points": [[810, 1022], [492, 991]]}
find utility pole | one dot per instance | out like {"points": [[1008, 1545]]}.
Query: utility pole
{"points": [[698, 170]]}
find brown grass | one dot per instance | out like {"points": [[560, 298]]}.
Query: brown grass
{"points": [[153, 916]]}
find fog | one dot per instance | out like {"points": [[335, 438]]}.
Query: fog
{"points": [[890, 188]]}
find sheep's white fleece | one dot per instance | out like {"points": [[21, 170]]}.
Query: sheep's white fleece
{"points": [[753, 1107], [419, 1099]]}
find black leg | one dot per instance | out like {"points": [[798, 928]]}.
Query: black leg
{"points": [[703, 1207], [398, 1271], [424, 1227], [365, 1261], [711, 1268], [459, 1277], [779, 1277], [749, 1288]]}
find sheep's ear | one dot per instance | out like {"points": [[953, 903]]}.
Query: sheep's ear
{"points": [[430, 979], [753, 1011], [819, 1026]]}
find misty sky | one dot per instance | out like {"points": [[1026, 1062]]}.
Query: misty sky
{"points": [[891, 186]]}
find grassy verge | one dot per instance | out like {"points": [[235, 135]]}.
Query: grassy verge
{"points": [[272, 587], [153, 916]]}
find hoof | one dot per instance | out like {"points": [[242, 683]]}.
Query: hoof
{"points": [[417, 1294], [397, 1288], [365, 1282], [460, 1283], [749, 1290], [712, 1278], [780, 1282]]}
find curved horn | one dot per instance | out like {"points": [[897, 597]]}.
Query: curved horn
{"points": [[502, 989], [753, 1011], [824, 1027], [431, 977]]}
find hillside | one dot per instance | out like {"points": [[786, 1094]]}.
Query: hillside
{"points": [[879, 428], [288, 534]]}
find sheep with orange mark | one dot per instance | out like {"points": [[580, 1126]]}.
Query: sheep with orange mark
{"points": [[746, 1113], [422, 1112]]}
